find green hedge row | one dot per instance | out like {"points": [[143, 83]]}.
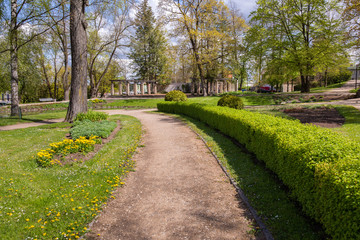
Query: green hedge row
{"points": [[321, 167]]}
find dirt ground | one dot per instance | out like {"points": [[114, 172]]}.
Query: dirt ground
{"points": [[178, 191], [322, 116]]}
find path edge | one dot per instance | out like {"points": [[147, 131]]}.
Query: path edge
{"points": [[240, 192]]}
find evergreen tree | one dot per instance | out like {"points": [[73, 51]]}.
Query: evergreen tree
{"points": [[148, 47]]}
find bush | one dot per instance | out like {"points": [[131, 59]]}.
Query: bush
{"points": [[175, 96], [96, 100], [88, 128], [320, 167], [231, 102], [92, 116]]}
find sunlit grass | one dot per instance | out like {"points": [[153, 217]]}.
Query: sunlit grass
{"points": [[58, 202], [351, 128]]}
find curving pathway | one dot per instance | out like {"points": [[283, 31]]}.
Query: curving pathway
{"points": [[178, 190]]}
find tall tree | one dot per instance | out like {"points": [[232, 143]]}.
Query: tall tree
{"points": [[148, 46], [106, 36], [298, 28], [58, 22], [206, 27], [78, 39], [22, 13], [352, 17]]}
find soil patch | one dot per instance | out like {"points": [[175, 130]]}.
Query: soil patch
{"points": [[322, 116]]}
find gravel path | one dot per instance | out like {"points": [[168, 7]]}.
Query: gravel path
{"points": [[178, 190]]}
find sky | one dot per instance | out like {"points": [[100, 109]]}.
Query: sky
{"points": [[245, 6]]}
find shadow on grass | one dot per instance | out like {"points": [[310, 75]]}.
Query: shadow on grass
{"points": [[269, 197]]}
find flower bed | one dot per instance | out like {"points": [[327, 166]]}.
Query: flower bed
{"points": [[46, 158]]}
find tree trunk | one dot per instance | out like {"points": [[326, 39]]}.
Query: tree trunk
{"points": [[78, 92], [305, 84], [326, 77], [47, 81], [65, 77], [14, 61]]}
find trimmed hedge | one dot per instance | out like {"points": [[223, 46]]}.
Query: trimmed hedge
{"points": [[176, 96], [231, 102], [321, 167]]}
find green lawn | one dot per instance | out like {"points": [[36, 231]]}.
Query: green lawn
{"points": [[351, 128], [32, 118], [58, 202], [263, 189], [323, 89], [256, 99]]}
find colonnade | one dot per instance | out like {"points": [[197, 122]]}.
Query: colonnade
{"points": [[217, 86], [140, 87]]}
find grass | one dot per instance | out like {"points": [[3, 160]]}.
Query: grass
{"points": [[58, 202], [351, 128], [135, 103], [328, 87], [257, 99], [32, 118], [263, 189]]}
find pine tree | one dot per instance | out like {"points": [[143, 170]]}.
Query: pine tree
{"points": [[148, 46]]}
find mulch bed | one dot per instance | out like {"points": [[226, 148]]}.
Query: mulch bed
{"points": [[322, 116]]}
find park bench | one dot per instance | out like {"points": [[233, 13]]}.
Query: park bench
{"points": [[47, 100]]}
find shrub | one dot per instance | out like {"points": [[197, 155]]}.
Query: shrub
{"points": [[231, 102], [88, 128], [92, 116], [354, 90], [96, 100], [175, 96], [320, 167]]}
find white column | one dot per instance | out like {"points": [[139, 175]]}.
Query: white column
{"points": [[142, 88], [112, 88], [120, 88], [127, 88]]}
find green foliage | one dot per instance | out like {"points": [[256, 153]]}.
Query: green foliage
{"points": [[148, 46], [354, 90], [88, 128], [175, 96], [92, 116], [97, 100], [319, 166], [341, 76], [231, 102]]}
